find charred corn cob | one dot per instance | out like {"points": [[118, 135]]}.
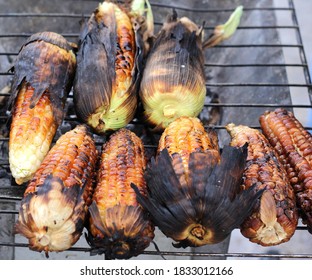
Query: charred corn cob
{"points": [[275, 216], [173, 80], [43, 74], [293, 144], [105, 87], [118, 226], [192, 188], [54, 206]]}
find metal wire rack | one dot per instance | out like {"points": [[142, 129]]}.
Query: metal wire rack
{"points": [[246, 75]]}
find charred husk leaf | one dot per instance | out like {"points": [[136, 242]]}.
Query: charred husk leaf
{"points": [[43, 76], [193, 190], [105, 87], [173, 80]]}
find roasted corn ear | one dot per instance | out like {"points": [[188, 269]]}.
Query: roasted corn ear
{"points": [[293, 143], [43, 76], [173, 80], [275, 216], [118, 226], [108, 67], [192, 188], [54, 207]]}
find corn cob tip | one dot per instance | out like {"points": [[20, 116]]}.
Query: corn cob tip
{"points": [[124, 234], [118, 226], [24, 180], [273, 232], [191, 211], [230, 126], [274, 218], [45, 217]]}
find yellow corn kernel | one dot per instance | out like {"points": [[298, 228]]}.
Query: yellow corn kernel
{"points": [[31, 134], [187, 135], [118, 225], [54, 205], [43, 76]]}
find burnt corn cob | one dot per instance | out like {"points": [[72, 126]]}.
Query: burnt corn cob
{"points": [[192, 189], [118, 226], [275, 216], [173, 80], [43, 76], [108, 62], [293, 143], [54, 207]]}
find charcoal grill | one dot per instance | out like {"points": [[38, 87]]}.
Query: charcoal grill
{"points": [[246, 75]]}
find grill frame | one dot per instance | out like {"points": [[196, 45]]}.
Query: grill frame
{"points": [[14, 193]]}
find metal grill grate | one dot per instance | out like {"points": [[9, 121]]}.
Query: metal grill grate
{"points": [[246, 75]]}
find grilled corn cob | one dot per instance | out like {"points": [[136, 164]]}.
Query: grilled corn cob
{"points": [[192, 188], [275, 217], [118, 226], [185, 136], [43, 74], [173, 80], [105, 87], [293, 144], [54, 206]]}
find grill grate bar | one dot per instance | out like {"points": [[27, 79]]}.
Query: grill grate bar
{"points": [[300, 46], [26, 35], [183, 254], [256, 65], [234, 85], [202, 10], [194, 10], [48, 15], [256, 85], [282, 65]]}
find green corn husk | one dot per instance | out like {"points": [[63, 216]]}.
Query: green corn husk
{"points": [[108, 68], [173, 81]]}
